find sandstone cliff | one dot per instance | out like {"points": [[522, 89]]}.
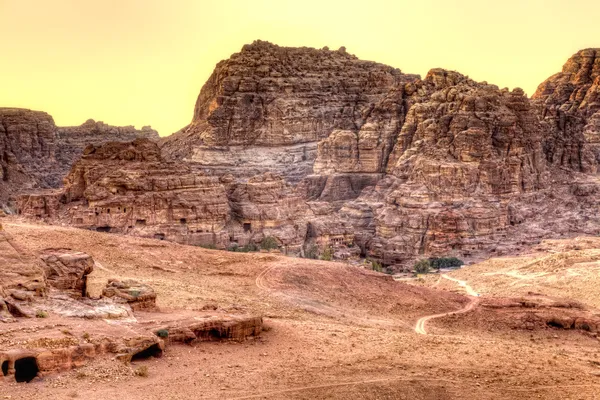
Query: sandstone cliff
{"points": [[319, 149], [129, 188], [35, 153], [569, 102], [279, 102]]}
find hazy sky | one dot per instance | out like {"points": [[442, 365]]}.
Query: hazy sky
{"points": [[143, 62]]}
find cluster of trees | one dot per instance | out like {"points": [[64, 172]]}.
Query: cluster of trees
{"points": [[425, 265]]}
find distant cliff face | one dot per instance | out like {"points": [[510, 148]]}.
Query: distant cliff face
{"points": [[319, 149], [34, 153]]}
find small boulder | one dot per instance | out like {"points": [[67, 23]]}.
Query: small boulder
{"points": [[138, 295]]}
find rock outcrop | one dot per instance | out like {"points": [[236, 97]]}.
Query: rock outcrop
{"points": [[137, 295], [318, 149], [35, 153], [129, 188], [60, 328], [569, 102], [281, 102]]}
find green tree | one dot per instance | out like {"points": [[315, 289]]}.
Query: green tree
{"points": [[269, 243], [422, 266]]}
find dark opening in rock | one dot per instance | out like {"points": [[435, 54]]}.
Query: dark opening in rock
{"points": [[214, 334], [84, 286], [152, 351], [5, 368], [183, 221], [159, 236], [26, 369], [140, 222], [103, 229], [247, 227]]}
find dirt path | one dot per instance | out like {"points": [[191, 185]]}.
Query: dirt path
{"points": [[420, 326]]}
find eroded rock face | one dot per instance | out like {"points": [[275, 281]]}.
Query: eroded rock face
{"points": [[67, 270], [137, 295], [129, 188], [569, 102], [35, 153], [318, 148], [269, 97]]}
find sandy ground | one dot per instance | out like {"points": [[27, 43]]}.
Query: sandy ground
{"points": [[333, 331]]}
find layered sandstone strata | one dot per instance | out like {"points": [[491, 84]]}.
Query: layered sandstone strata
{"points": [[280, 102], [569, 102], [35, 153], [129, 188], [318, 148]]}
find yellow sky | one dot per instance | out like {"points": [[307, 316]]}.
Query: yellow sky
{"points": [[143, 62]]}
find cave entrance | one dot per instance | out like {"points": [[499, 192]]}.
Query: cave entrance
{"points": [[103, 229], [152, 351], [247, 227], [26, 369], [5, 368]]}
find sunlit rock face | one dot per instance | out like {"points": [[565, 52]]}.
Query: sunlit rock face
{"points": [[569, 102], [316, 148], [289, 99], [35, 153]]}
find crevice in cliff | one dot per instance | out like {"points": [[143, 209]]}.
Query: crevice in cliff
{"points": [[424, 236]]}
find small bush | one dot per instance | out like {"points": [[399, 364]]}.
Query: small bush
{"points": [[244, 249], [41, 314], [269, 243], [162, 333], [445, 262], [85, 335], [142, 371], [208, 246], [376, 266], [327, 254], [250, 247], [234, 247], [135, 293], [312, 252], [422, 266]]}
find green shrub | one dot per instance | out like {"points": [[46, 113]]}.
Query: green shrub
{"points": [[422, 266], [445, 262], [234, 247], [41, 314], [327, 254], [269, 243], [376, 266], [249, 248], [162, 333], [311, 252]]}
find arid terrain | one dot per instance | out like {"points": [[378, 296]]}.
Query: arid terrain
{"points": [[333, 330], [269, 249]]}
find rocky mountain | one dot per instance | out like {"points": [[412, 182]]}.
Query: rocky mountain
{"points": [[35, 153], [266, 108], [321, 150]]}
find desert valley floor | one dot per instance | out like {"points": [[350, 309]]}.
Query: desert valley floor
{"points": [[338, 331]]}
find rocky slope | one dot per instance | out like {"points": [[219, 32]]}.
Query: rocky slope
{"points": [[35, 153], [318, 148]]}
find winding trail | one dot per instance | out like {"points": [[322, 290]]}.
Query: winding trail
{"points": [[420, 326]]}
